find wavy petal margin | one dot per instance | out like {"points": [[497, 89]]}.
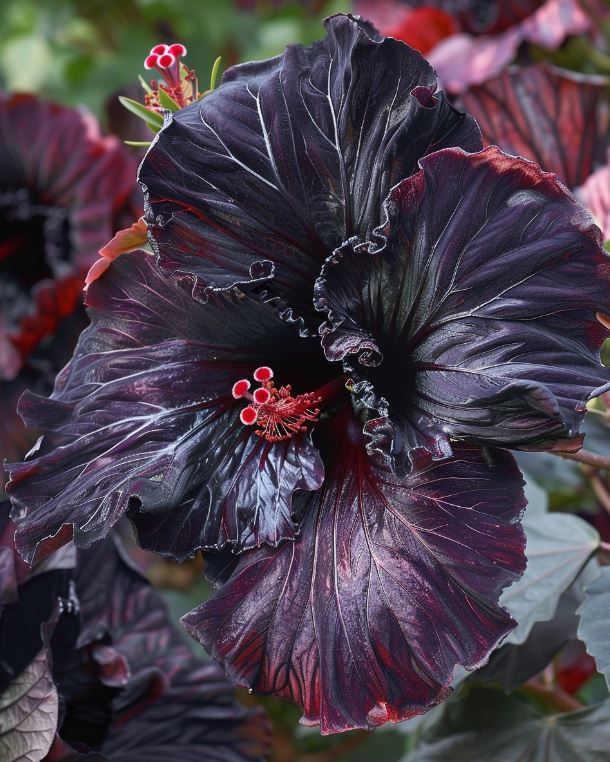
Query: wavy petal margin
{"points": [[142, 421], [392, 584], [270, 172], [475, 316]]}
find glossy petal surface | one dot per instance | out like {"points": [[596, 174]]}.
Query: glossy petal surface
{"points": [[290, 156], [475, 315], [391, 585], [552, 116], [143, 419]]}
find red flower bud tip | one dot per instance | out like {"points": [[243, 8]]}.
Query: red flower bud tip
{"points": [[248, 416], [151, 61], [166, 61], [159, 50], [264, 373], [262, 395], [177, 50], [240, 388]]}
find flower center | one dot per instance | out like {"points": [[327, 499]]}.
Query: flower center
{"points": [[278, 414]]}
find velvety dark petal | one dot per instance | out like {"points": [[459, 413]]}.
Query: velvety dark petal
{"points": [[481, 297], [143, 418], [251, 490], [392, 584], [552, 116], [291, 156], [166, 704]]}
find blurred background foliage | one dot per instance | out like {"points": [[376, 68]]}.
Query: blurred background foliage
{"points": [[84, 51]]}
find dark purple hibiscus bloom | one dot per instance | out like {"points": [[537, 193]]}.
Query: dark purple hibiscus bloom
{"points": [[290, 157], [129, 685], [64, 190], [555, 117], [350, 494]]}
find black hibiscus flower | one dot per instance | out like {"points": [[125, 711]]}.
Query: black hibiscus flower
{"points": [[351, 493]]}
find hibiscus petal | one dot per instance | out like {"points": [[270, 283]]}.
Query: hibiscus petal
{"points": [[553, 116], [143, 419], [392, 584], [290, 156], [481, 297]]}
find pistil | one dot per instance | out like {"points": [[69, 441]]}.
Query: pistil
{"points": [[277, 414]]}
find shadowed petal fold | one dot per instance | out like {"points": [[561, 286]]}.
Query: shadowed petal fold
{"points": [[392, 584], [290, 156], [474, 315], [143, 420]]}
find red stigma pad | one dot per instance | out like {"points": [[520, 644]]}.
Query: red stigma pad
{"points": [[177, 50], [261, 396], [166, 60], [158, 50], [248, 416], [264, 373], [240, 388]]}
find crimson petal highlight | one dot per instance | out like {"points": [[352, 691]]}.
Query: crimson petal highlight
{"points": [[392, 584], [555, 117]]}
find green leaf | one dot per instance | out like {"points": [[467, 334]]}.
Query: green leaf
{"points": [[137, 143], [214, 74], [488, 725], [28, 714], [511, 665], [537, 498], [594, 627], [167, 101], [558, 546], [145, 86], [152, 119]]}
